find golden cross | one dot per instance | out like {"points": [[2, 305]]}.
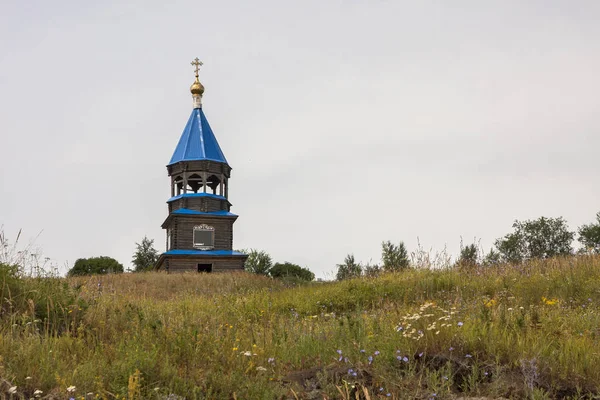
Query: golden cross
{"points": [[197, 63]]}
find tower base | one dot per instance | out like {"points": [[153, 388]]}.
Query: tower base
{"points": [[201, 261]]}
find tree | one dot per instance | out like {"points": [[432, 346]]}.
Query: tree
{"points": [[469, 255], [287, 269], [394, 258], [540, 238], [348, 269], [589, 236], [258, 262], [145, 256], [95, 265]]}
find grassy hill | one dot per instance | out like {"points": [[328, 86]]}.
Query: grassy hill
{"points": [[529, 331]]}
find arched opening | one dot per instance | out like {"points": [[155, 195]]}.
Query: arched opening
{"points": [[194, 182], [178, 183], [212, 183]]}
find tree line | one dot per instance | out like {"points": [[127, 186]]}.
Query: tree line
{"points": [[530, 239], [540, 238]]}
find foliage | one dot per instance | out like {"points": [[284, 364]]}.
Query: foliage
{"points": [[469, 255], [492, 258], [394, 257], [287, 269], [541, 238], [589, 236], [95, 265], [348, 269], [241, 335], [258, 262], [145, 256]]}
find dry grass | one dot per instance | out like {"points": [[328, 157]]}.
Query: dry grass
{"points": [[529, 331]]}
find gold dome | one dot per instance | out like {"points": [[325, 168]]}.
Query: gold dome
{"points": [[197, 87]]}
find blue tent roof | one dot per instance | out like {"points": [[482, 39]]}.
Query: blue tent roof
{"points": [[197, 142]]}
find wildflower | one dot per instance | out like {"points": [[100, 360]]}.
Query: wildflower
{"points": [[346, 360], [339, 352], [362, 351], [469, 356], [451, 349], [234, 349], [370, 359], [381, 389], [509, 309], [352, 372], [420, 354], [377, 353], [388, 395], [460, 323], [27, 378], [405, 359], [261, 369], [12, 390], [38, 393], [156, 389], [271, 360], [71, 389], [445, 377], [247, 354], [490, 303]]}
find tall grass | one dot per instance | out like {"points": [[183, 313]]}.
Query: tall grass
{"points": [[527, 331]]}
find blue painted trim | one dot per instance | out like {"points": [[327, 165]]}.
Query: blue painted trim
{"points": [[181, 196], [186, 211], [179, 252]]}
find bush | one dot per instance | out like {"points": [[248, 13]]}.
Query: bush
{"points": [[287, 269], [95, 266], [589, 236], [258, 262], [145, 256], [348, 269], [394, 258], [538, 239]]}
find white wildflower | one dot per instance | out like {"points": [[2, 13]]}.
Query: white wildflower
{"points": [[12, 390], [261, 369], [71, 389]]}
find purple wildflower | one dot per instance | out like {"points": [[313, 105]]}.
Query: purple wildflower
{"points": [[370, 359], [460, 323], [377, 353]]}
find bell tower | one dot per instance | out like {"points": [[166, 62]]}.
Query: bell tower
{"points": [[200, 225]]}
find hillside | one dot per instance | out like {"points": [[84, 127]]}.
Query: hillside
{"points": [[506, 331]]}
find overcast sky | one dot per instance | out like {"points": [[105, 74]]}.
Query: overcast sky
{"points": [[346, 122]]}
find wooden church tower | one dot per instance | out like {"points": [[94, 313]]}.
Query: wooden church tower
{"points": [[199, 226]]}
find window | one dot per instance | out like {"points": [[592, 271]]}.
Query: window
{"points": [[204, 237]]}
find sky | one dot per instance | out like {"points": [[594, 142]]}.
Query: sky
{"points": [[346, 122]]}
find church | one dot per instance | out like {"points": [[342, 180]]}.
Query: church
{"points": [[199, 226]]}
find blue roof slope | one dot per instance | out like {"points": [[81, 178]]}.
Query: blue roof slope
{"points": [[180, 196], [197, 142], [204, 252], [187, 211]]}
